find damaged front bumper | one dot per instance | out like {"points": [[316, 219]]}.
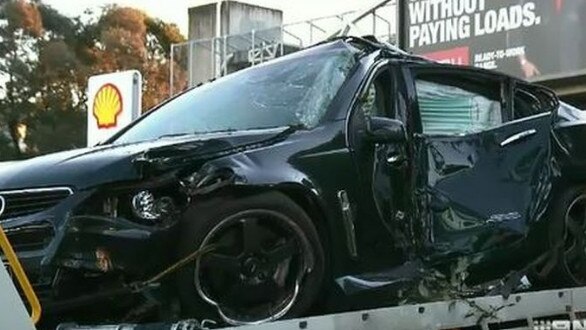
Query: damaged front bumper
{"points": [[102, 244], [68, 254]]}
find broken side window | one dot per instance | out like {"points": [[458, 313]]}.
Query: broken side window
{"points": [[457, 108], [526, 105], [530, 101]]}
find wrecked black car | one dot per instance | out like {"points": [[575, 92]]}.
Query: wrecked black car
{"points": [[313, 180]]}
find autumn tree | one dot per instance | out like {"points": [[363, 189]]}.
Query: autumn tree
{"points": [[60, 79], [20, 31], [129, 39], [46, 59]]}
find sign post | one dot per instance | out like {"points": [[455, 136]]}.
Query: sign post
{"points": [[402, 13], [114, 101]]}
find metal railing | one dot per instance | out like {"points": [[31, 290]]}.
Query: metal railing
{"points": [[198, 61]]}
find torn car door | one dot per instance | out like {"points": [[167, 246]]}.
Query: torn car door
{"points": [[381, 166], [483, 175]]}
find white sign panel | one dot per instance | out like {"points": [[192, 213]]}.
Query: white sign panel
{"points": [[13, 314], [114, 101]]}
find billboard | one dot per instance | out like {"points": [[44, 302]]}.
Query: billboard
{"points": [[114, 101], [532, 39]]}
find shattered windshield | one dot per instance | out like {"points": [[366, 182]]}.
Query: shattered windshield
{"points": [[293, 91]]}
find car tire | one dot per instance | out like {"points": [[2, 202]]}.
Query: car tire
{"points": [[210, 221], [567, 238]]}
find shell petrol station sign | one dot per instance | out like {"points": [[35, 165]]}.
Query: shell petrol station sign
{"points": [[114, 101]]}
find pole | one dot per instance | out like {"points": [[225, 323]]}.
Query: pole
{"points": [[216, 49], [219, 19], [402, 12], [225, 55], [282, 40], [190, 53], [253, 41], [171, 69], [374, 24]]}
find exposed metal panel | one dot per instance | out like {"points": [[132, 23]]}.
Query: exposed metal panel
{"points": [[13, 314]]}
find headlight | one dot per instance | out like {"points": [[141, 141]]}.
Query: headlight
{"points": [[146, 206]]}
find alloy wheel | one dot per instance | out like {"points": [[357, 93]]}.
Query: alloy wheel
{"points": [[255, 274]]}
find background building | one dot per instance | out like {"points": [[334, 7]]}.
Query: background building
{"points": [[228, 36], [542, 41]]}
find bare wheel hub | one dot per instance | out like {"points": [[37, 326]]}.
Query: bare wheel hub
{"points": [[250, 267]]}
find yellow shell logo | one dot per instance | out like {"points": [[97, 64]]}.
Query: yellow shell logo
{"points": [[107, 106]]}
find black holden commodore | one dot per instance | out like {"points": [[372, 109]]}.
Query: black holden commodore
{"points": [[322, 180]]}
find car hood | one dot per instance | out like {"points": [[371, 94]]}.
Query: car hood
{"points": [[84, 168]]}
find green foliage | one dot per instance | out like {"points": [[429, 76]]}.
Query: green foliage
{"points": [[46, 59]]}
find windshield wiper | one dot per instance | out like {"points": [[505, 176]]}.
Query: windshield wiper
{"points": [[296, 127], [174, 135], [290, 128]]}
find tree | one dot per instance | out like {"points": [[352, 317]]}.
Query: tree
{"points": [[60, 78], [129, 39], [46, 59], [19, 33]]}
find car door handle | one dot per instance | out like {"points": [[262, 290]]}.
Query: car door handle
{"points": [[518, 136]]}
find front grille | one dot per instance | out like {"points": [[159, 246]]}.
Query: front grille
{"points": [[19, 203], [30, 237]]}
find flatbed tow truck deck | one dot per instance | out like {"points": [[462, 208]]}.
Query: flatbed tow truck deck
{"points": [[539, 310]]}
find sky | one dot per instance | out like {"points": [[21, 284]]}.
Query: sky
{"points": [[294, 10]]}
